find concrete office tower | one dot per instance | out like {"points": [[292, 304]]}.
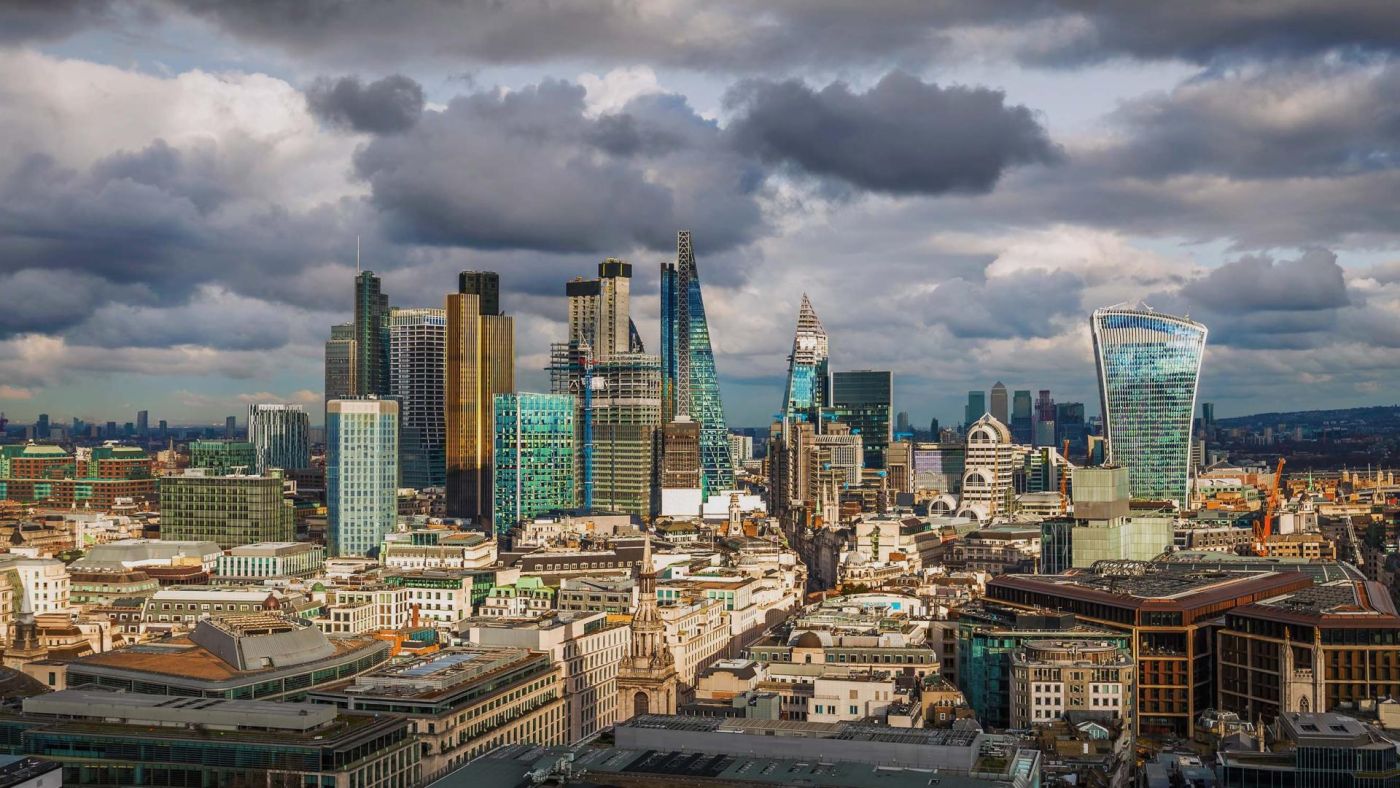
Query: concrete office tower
{"points": [[232, 510], [1022, 419], [480, 365], [417, 361], [1149, 366], [371, 337], [988, 466], [807, 366], [623, 415], [598, 316], [362, 474], [533, 457], [281, 436], [690, 384], [975, 409], [866, 397], [220, 457], [999, 409], [341, 355]]}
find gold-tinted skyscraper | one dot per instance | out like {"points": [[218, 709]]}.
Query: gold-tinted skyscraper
{"points": [[480, 365]]}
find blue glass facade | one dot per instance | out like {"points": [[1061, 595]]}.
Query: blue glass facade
{"points": [[808, 372], [1149, 365], [690, 384], [362, 474], [534, 457]]}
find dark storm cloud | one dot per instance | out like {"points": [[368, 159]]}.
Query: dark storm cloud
{"points": [[1204, 30], [31, 20], [387, 105], [1312, 282], [1305, 120], [143, 228], [735, 35], [901, 136], [1024, 307], [528, 169]]}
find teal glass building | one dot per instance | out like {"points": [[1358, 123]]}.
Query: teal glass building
{"points": [[362, 474], [808, 376], [1149, 365], [690, 385], [534, 470]]}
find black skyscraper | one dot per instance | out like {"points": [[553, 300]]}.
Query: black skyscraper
{"points": [[371, 337]]}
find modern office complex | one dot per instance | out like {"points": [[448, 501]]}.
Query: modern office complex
{"points": [[808, 376], [417, 361], [246, 656], [223, 456], [690, 385], [371, 337], [281, 436], [1170, 613], [464, 702], [232, 510], [480, 365], [864, 398], [1149, 364], [533, 457], [1314, 649], [362, 474], [127, 738]]}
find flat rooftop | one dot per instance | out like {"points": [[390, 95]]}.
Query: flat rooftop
{"points": [[137, 708], [1338, 603], [841, 731], [436, 675]]}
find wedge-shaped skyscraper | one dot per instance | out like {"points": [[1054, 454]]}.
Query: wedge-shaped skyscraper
{"points": [[690, 385], [808, 376], [1149, 365]]}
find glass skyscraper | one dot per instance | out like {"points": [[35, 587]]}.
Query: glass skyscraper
{"points": [[281, 436], [690, 385], [807, 366], [417, 360], [864, 398], [362, 473], [371, 337], [480, 364], [1149, 365], [975, 408], [534, 457]]}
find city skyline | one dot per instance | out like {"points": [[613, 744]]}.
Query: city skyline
{"points": [[1084, 165]]}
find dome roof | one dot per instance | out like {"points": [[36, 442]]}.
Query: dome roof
{"points": [[808, 640]]}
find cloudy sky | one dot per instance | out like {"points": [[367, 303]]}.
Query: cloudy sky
{"points": [[956, 184]]}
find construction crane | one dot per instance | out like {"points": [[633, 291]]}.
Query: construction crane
{"points": [[1265, 526]]}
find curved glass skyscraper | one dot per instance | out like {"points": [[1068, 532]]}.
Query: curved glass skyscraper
{"points": [[1149, 364]]}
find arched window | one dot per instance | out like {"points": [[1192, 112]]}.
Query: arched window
{"points": [[641, 704]]}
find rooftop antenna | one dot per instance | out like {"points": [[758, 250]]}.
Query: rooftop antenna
{"points": [[357, 255]]}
